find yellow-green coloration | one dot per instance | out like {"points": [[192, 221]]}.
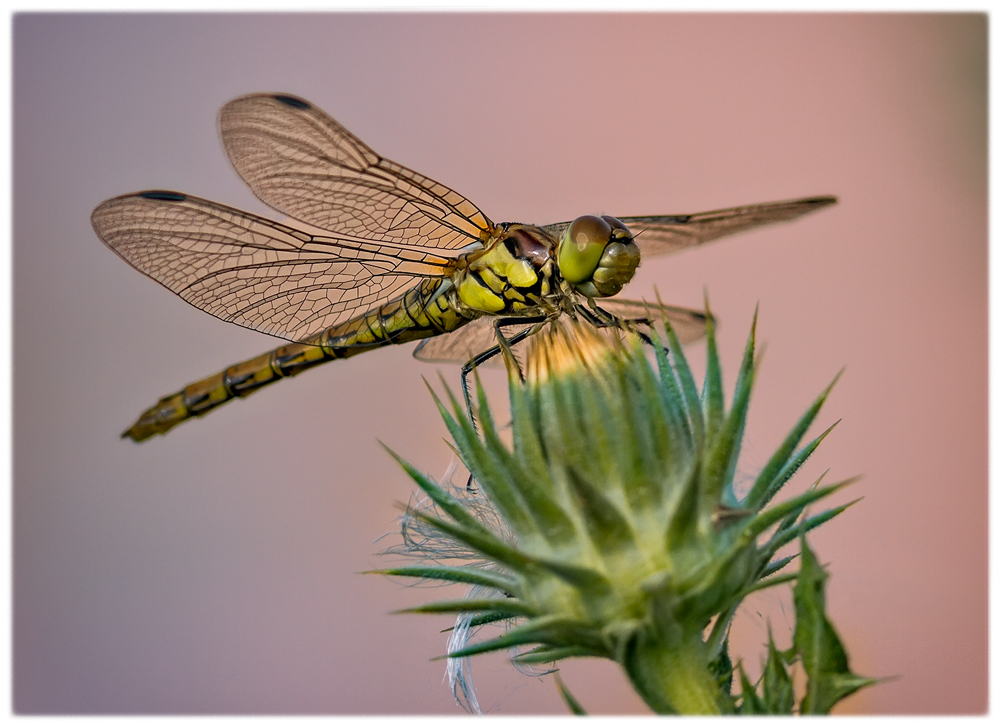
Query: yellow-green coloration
{"points": [[597, 256], [626, 538], [499, 262], [496, 281], [479, 297], [581, 247]]}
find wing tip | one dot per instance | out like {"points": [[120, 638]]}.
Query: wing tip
{"points": [[816, 203], [237, 107], [162, 195], [289, 100]]}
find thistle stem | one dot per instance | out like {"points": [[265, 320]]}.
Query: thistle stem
{"points": [[674, 678]]}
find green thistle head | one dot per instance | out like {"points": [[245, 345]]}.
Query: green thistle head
{"points": [[623, 536]]}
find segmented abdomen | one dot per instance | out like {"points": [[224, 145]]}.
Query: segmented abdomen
{"points": [[423, 311]]}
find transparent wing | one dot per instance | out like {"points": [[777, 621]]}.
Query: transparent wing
{"points": [[467, 342], [688, 324], [252, 271], [300, 161], [669, 233]]}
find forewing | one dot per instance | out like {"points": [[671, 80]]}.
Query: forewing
{"points": [[252, 271], [669, 233], [300, 161]]}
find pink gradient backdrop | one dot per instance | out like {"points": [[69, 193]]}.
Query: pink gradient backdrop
{"points": [[216, 570]]}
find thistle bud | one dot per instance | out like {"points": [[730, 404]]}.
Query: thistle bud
{"points": [[622, 535]]}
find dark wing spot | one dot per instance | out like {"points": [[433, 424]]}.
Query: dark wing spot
{"points": [[162, 195], [294, 101], [820, 201]]}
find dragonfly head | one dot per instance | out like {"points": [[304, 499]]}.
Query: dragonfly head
{"points": [[597, 255]]}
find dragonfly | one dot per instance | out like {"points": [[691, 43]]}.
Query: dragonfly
{"points": [[373, 254]]}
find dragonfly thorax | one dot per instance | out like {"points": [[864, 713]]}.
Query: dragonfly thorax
{"points": [[512, 275], [597, 255]]}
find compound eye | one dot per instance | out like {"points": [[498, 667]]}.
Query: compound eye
{"points": [[588, 230], [616, 224], [581, 247]]}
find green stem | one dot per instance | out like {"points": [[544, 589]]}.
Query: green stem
{"points": [[673, 678]]}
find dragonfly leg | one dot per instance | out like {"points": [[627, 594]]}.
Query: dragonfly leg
{"points": [[467, 369], [603, 319], [503, 342]]}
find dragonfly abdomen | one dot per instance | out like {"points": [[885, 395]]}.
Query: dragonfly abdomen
{"points": [[421, 312]]}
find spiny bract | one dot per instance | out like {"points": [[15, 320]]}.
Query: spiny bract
{"points": [[625, 536]]}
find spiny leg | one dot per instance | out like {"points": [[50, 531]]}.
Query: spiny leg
{"points": [[603, 319], [502, 343]]}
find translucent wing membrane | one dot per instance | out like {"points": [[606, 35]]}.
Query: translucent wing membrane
{"points": [[465, 343], [303, 163], [669, 233], [255, 272], [688, 324], [472, 339]]}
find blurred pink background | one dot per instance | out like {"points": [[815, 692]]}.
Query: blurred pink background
{"points": [[217, 570]]}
